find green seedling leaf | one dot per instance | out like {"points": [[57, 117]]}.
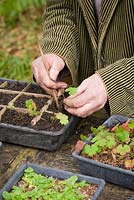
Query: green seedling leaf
{"points": [[122, 150], [97, 130], [72, 180], [110, 142], [71, 90], [62, 117], [29, 170], [31, 106], [91, 150], [131, 124], [83, 137], [122, 135], [6, 195], [132, 154], [132, 143]]}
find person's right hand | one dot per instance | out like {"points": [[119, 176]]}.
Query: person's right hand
{"points": [[48, 63]]}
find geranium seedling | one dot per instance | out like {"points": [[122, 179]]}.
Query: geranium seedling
{"points": [[71, 90], [32, 108]]}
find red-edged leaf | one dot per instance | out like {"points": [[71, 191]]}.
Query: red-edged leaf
{"points": [[79, 146]]}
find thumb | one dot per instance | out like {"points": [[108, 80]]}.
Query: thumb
{"points": [[54, 72]]}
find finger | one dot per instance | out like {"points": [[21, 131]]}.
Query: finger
{"points": [[47, 90], [60, 92], [81, 89], [55, 70], [84, 110], [54, 73], [44, 80], [77, 101]]}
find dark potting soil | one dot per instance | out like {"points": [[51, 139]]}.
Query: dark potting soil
{"points": [[107, 158], [47, 122], [40, 102], [6, 98], [24, 120], [17, 86], [36, 89]]}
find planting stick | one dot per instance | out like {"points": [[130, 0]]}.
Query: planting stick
{"points": [[50, 112], [25, 93], [22, 110], [43, 109], [54, 92], [4, 84]]}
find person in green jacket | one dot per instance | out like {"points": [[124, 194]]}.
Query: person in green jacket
{"points": [[94, 40]]}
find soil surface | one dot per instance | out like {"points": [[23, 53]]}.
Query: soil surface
{"points": [[107, 156], [11, 116], [17, 86], [6, 98]]}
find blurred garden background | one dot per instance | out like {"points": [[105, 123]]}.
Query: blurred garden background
{"points": [[20, 24]]}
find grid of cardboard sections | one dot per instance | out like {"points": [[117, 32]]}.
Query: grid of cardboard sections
{"points": [[16, 94]]}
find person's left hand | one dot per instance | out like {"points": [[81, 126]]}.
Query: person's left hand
{"points": [[91, 96]]}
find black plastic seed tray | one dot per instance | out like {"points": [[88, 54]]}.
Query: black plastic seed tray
{"points": [[29, 136], [55, 173], [107, 172]]}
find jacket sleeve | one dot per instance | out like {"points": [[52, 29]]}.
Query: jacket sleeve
{"points": [[59, 33], [119, 81]]}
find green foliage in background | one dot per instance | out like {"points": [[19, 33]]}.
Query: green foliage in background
{"points": [[20, 24], [12, 9], [15, 67]]}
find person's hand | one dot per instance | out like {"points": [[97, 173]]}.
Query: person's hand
{"points": [[91, 96], [48, 63]]}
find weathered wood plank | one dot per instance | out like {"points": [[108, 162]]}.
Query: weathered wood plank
{"points": [[24, 155]]}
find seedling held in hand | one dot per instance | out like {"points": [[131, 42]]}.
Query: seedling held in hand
{"points": [[71, 90]]}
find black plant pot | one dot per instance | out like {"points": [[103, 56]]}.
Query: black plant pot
{"points": [[107, 172], [55, 173], [29, 136]]}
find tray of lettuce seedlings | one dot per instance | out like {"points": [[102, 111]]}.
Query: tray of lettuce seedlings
{"points": [[36, 182]]}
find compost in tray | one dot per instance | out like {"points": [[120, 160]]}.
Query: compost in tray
{"points": [[29, 116], [13, 97], [114, 161]]}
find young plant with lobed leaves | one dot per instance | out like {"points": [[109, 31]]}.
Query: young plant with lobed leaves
{"points": [[117, 143], [71, 90], [63, 118], [32, 108]]}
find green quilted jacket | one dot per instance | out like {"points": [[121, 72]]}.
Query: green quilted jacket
{"points": [[70, 31]]}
